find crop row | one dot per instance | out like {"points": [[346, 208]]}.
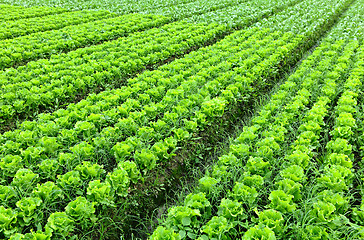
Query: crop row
{"points": [[26, 26], [291, 175], [170, 70], [241, 14], [326, 204], [24, 49], [9, 12], [269, 174], [139, 128], [328, 201], [334, 173], [43, 44], [285, 189], [42, 84], [193, 8], [251, 161], [131, 91], [355, 134], [128, 6], [133, 119], [21, 27], [66, 77], [358, 211], [122, 7]]}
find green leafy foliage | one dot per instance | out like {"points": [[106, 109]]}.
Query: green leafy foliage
{"points": [[101, 193], [216, 228], [231, 209], [27, 207], [161, 233], [60, 223], [183, 219], [259, 232], [282, 201], [19, 12], [81, 210], [8, 219], [23, 27], [87, 158], [272, 219]]}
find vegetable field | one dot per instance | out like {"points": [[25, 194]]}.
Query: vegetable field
{"points": [[182, 119]]}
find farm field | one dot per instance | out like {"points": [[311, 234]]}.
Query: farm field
{"points": [[181, 119]]}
